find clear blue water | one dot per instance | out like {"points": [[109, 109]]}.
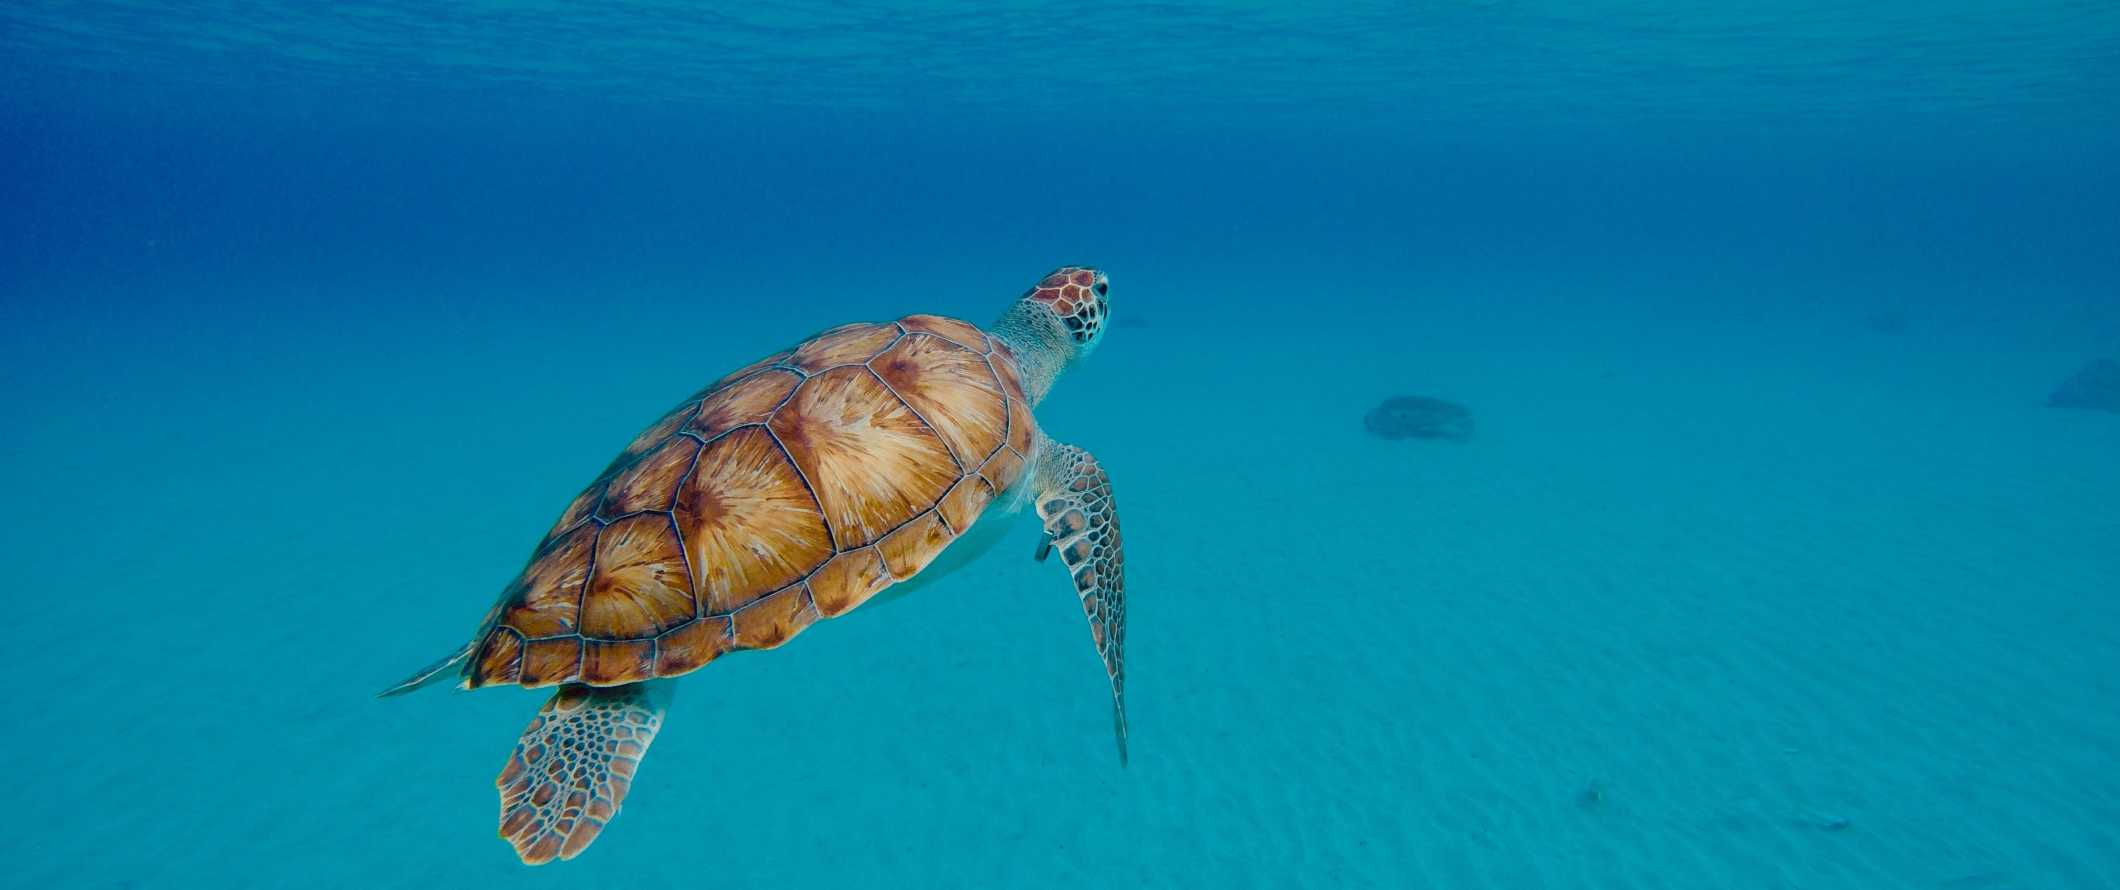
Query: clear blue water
{"points": [[1768, 567]]}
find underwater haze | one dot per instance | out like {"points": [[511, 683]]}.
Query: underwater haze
{"points": [[1756, 558]]}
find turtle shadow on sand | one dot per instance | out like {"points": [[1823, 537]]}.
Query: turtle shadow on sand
{"points": [[1419, 417]]}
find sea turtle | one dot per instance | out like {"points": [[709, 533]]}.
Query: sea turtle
{"points": [[791, 490]]}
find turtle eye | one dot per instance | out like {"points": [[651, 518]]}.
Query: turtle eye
{"points": [[1102, 288]]}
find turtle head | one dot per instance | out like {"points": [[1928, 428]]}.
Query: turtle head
{"points": [[1079, 298], [1060, 319]]}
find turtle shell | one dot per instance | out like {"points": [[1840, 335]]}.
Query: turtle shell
{"points": [[791, 490]]}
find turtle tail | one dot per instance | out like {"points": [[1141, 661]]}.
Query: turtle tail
{"points": [[432, 673]]}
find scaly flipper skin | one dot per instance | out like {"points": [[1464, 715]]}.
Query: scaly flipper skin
{"points": [[572, 768], [1074, 500]]}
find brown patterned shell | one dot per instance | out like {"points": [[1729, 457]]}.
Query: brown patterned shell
{"points": [[791, 490]]}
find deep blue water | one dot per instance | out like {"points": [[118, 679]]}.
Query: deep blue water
{"points": [[1768, 566]]}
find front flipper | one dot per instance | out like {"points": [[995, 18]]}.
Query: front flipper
{"points": [[572, 768], [1081, 522]]}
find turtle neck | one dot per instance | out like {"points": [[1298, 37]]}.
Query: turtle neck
{"points": [[1040, 344]]}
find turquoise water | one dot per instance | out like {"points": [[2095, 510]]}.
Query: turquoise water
{"points": [[1768, 565]]}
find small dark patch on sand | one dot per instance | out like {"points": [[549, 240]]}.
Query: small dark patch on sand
{"points": [[1833, 823], [1986, 880], [1887, 321], [1817, 820], [1419, 417]]}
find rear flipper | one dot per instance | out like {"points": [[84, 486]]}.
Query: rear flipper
{"points": [[573, 766]]}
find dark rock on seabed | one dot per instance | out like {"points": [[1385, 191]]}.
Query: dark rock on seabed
{"points": [[1419, 417], [2095, 388]]}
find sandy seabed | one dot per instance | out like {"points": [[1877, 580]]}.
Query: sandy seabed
{"points": [[1702, 605]]}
